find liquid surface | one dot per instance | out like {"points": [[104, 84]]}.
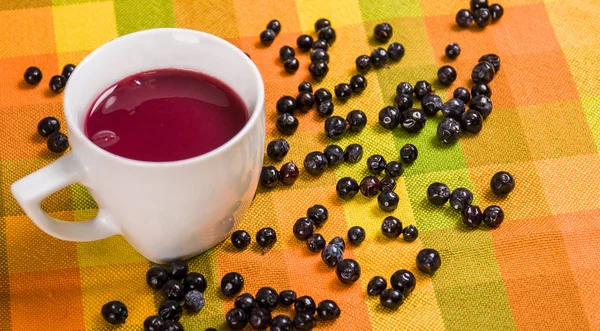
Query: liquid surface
{"points": [[165, 115]]}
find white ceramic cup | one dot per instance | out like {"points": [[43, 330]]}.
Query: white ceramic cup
{"points": [[165, 210]]}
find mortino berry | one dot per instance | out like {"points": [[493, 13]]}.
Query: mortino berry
{"points": [[431, 104], [315, 163], [232, 283], [481, 89], [403, 102], [304, 322], [464, 18], [369, 186], [305, 304], [347, 188], [482, 17], [493, 216], [278, 149], [174, 290], [153, 323], [472, 216], [383, 32], [376, 164], [318, 70], [286, 105], [391, 227], [286, 52], [394, 169], [318, 214], [170, 325], [446, 75], [428, 261], [471, 121], [404, 88], [452, 51], [287, 298], [320, 44], [260, 318], [236, 319], [265, 237], [389, 117], [315, 243], [410, 233], [319, 55], [358, 83], [287, 124], [496, 11], [288, 173], [335, 127], [348, 271], [502, 183], [328, 34], [322, 95], [156, 277], [267, 37], [33, 75], [274, 25], [462, 94], [303, 228], [403, 281], [269, 177], [356, 235], [281, 323], [267, 297], [422, 88], [332, 255], [196, 281], [114, 312], [482, 104], [322, 23], [493, 59], [388, 201], [396, 51], [353, 153], [177, 269], [409, 153], [448, 131], [387, 184], [57, 142], [376, 285], [483, 72], [291, 65], [305, 87], [170, 310], [57, 83], [325, 108], [194, 301], [413, 120], [304, 42], [343, 91], [476, 4], [328, 310], [47, 126], [363, 64], [438, 193], [357, 120], [338, 241], [379, 57], [460, 198], [334, 154], [453, 108], [391, 299]]}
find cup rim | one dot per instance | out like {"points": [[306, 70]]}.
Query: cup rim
{"points": [[254, 117]]}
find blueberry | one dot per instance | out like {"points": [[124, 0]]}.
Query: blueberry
{"points": [[318, 70], [170, 325], [328, 310], [275, 26], [502, 183], [462, 94], [493, 216], [114, 312], [335, 127], [281, 323], [410, 233], [319, 55], [304, 322], [438, 193], [428, 261], [57, 83], [305, 304], [356, 235], [472, 216], [453, 108], [357, 120], [265, 237], [303, 228], [383, 32], [33, 75], [396, 51], [464, 18], [481, 89], [291, 65], [325, 108], [358, 83], [194, 301], [320, 44], [409, 153], [331, 255], [343, 91], [403, 102], [431, 104], [404, 88], [197, 281], [286, 52], [446, 75], [448, 131], [476, 4], [338, 241], [376, 285], [305, 87], [363, 64], [334, 154], [394, 169], [289, 173], [232, 283], [153, 323], [286, 104], [278, 149], [391, 227], [403, 281], [387, 184], [482, 104], [353, 153], [287, 298], [421, 89], [287, 124], [389, 117], [315, 243], [322, 23], [304, 42], [379, 57], [315, 163], [471, 121], [347, 188], [156, 277], [322, 95], [482, 17], [236, 319], [391, 299], [170, 310], [174, 290], [245, 302], [452, 51], [57, 142], [267, 37], [260, 318], [483, 72], [328, 34], [413, 120], [267, 298], [388, 201], [460, 198], [348, 271], [269, 177], [493, 59], [369, 186], [376, 164], [496, 11], [318, 214]]}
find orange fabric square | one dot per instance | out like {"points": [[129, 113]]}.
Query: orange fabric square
{"points": [[5, 300], [15, 92], [570, 20], [18, 4], [34, 23], [253, 15]]}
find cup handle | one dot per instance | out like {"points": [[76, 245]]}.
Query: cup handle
{"points": [[32, 189]]}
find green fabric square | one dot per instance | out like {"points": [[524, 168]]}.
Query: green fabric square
{"points": [[378, 10], [133, 15]]}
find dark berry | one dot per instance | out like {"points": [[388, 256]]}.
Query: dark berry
{"points": [[369, 186], [453, 108], [396, 51], [236, 319], [472, 216], [481, 89], [315, 243], [462, 94], [464, 18], [57, 83], [315, 163], [328, 310], [394, 169], [438, 193], [335, 127], [303, 228], [391, 227], [57, 142], [197, 281], [404, 88], [177, 269], [493, 216], [287, 298], [431, 104], [114, 312], [332, 255], [482, 17], [304, 42], [502, 183], [409, 153], [153, 323], [286, 52], [33, 75], [357, 120], [287, 124], [403, 281], [379, 57], [389, 117], [334, 154], [267, 297], [387, 184], [363, 64], [267, 37], [245, 302], [343, 91], [422, 88], [232, 283], [460, 198], [476, 4], [170, 310], [383, 32], [265, 237], [496, 11], [391, 299], [318, 214], [194, 301], [493, 59], [260, 318], [356, 235], [289, 173], [410, 233], [171, 325], [338, 241], [269, 177], [448, 131], [319, 55], [358, 83], [305, 101], [304, 322], [347, 188], [428, 261], [322, 95], [325, 108], [322, 23], [328, 34], [376, 285], [174, 290], [471, 121], [376, 164], [278, 149], [483, 72], [318, 70], [286, 104], [281, 323], [274, 25], [413, 120], [353, 153], [348, 271], [403, 102], [446, 75], [388, 201], [156, 277], [320, 44], [305, 304], [305, 87], [291, 65], [482, 104], [452, 51]]}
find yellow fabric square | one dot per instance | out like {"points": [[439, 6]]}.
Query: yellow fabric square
{"points": [[339, 12]]}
